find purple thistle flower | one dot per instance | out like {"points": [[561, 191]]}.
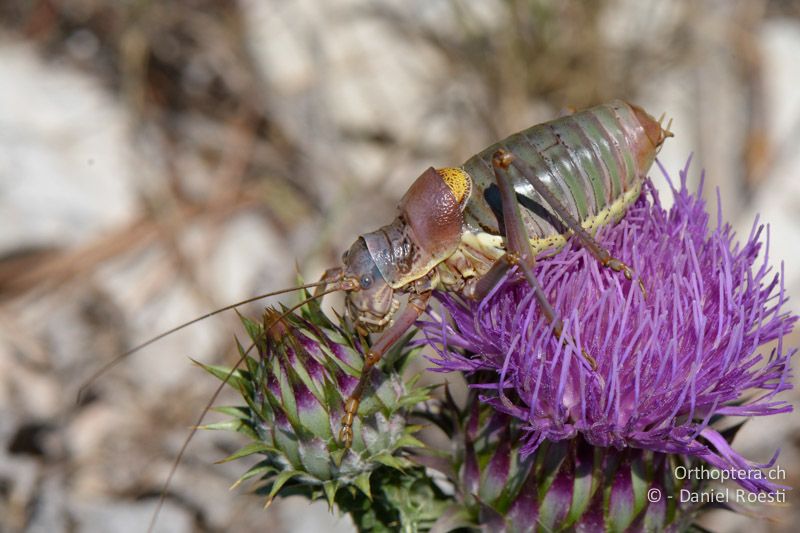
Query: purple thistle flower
{"points": [[691, 350]]}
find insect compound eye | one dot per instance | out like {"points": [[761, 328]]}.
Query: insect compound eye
{"points": [[365, 281]]}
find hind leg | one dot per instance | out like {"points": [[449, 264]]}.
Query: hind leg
{"points": [[589, 242], [518, 251]]}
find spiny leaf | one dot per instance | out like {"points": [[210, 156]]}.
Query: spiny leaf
{"points": [[279, 481], [415, 397], [261, 469], [409, 441], [330, 488], [226, 425], [254, 329], [235, 411], [362, 482], [221, 372], [250, 449], [392, 461]]}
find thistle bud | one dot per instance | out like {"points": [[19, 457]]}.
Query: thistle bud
{"points": [[294, 389]]}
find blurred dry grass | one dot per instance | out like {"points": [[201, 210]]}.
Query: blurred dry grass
{"points": [[304, 122]]}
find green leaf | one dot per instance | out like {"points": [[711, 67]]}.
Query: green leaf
{"points": [[550, 458], [221, 373], [337, 455], [415, 397], [398, 463], [235, 411], [254, 329], [639, 484], [409, 441], [518, 473], [362, 482], [250, 449], [279, 482], [226, 425], [249, 399], [249, 431], [330, 488], [253, 367], [261, 469], [583, 486]]}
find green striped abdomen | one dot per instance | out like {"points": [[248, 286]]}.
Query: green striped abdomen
{"points": [[593, 161]]}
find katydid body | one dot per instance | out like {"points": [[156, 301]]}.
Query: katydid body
{"points": [[461, 229]]}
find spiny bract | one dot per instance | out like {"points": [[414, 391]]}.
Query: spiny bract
{"points": [[294, 390]]}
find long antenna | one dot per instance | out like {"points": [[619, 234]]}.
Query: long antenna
{"points": [[207, 408], [114, 362]]}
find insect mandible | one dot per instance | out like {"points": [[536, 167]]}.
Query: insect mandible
{"points": [[462, 229]]}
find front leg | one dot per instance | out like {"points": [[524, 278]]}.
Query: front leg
{"points": [[417, 303]]}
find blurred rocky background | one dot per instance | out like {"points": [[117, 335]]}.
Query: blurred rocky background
{"points": [[161, 159]]}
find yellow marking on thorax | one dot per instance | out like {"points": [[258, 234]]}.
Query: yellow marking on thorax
{"points": [[458, 181]]}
